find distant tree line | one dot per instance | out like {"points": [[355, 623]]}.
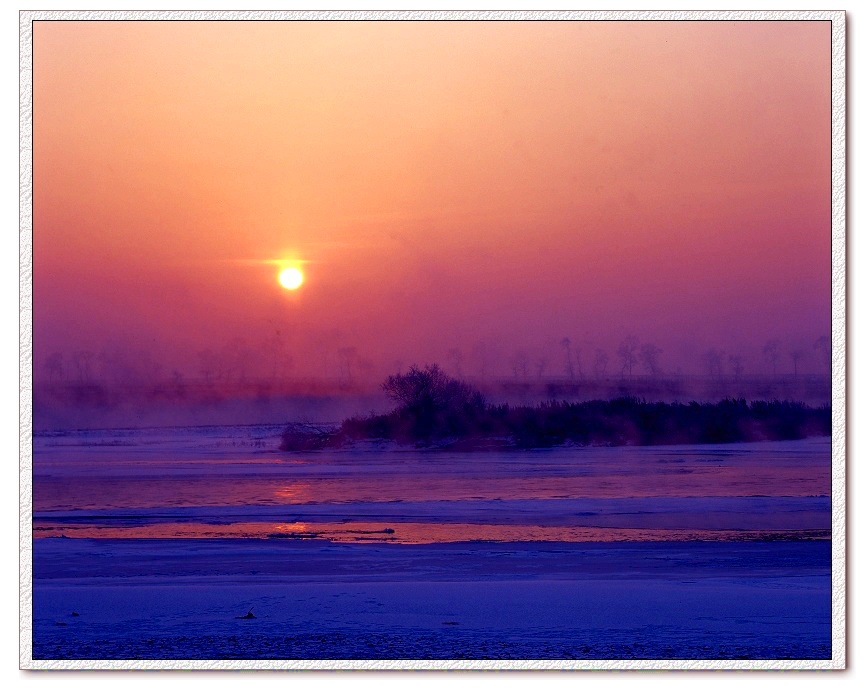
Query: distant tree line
{"points": [[271, 359]]}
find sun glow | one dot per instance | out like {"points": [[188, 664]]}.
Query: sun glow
{"points": [[290, 278]]}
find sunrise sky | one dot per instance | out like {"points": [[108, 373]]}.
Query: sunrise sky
{"points": [[482, 187]]}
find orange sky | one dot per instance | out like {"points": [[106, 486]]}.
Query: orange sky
{"points": [[486, 186]]}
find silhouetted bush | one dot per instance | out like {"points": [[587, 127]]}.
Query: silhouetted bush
{"points": [[427, 390]]}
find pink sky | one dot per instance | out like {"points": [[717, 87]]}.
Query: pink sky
{"points": [[490, 187]]}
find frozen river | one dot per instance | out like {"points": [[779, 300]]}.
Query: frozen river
{"points": [[159, 539]]}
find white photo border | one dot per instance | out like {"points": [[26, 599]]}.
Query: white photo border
{"points": [[839, 288]]}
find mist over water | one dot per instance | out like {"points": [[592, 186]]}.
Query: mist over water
{"points": [[101, 405]]}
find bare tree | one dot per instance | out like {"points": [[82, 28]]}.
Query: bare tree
{"points": [[520, 364], [772, 353], [569, 363], [600, 364], [54, 367], [347, 357], [325, 344], [178, 384], [365, 366], [736, 365], [824, 346], [455, 359], [481, 354], [82, 361], [713, 360], [649, 354], [238, 359], [208, 365], [541, 364], [627, 352], [796, 355], [572, 354], [150, 369], [281, 361], [578, 357]]}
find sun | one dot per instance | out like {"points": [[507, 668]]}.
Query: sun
{"points": [[290, 278]]}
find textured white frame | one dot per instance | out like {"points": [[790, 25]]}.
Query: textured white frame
{"points": [[839, 277]]}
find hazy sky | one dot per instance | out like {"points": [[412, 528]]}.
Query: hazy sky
{"points": [[490, 187]]}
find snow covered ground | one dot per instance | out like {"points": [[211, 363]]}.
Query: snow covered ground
{"points": [[175, 599], [155, 544]]}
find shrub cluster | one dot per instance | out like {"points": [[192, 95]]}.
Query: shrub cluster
{"points": [[434, 409]]}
